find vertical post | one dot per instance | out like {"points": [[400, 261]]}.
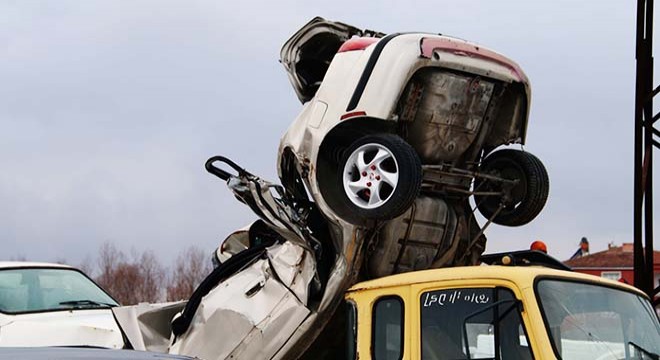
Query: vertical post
{"points": [[648, 112], [644, 143], [639, 259]]}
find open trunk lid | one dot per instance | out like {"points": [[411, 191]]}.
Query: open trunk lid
{"points": [[308, 53]]}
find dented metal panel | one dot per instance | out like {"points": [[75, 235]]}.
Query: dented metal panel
{"points": [[254, 311], [294, 268], [147, 327]]}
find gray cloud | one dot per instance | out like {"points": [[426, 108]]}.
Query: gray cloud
{"points": [[108, 110]]}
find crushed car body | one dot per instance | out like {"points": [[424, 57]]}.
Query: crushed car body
{"points": [[274, 294], [396, 134]]}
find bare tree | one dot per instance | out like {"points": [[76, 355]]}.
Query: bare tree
{"points": [[87, 266], [127, 280], [130, 281], [152, 277], [190, 268], [109, 258]]}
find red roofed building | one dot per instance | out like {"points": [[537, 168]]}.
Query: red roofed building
{"points": [[615, 263]]}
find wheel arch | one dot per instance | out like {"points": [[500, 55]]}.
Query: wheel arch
{"points": [[338, 139], [290, 174]]}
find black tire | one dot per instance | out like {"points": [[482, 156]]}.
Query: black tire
{"points": [[399, 198], [525, 200]]}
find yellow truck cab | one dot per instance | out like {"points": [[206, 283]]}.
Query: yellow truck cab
{"points": [[500, 312]]}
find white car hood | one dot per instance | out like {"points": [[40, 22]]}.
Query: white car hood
{"points": [[61, 328]]}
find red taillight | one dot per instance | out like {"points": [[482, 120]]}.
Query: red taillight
{"points": [[352, 115], [359, 43]]}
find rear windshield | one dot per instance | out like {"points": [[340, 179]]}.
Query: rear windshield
{"points": [[33, 290]]}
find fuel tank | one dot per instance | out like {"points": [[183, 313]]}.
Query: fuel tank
{"points": [[414, 240]]}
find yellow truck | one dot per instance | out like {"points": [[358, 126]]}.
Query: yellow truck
{"points": [[499, 312]]}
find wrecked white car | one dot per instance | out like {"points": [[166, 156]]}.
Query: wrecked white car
{"points": [[400, 130], [396, 135], [45, 304]]}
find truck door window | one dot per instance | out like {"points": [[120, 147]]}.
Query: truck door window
{"points": [[387, 329], [473, 323]]}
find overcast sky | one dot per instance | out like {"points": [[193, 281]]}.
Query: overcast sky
{"points": [[108, 110]]}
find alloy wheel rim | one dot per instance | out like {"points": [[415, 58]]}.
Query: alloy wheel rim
{"points": [[370, 176]]}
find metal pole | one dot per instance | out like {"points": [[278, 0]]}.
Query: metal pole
{"points": [[644, 143], [648, 101], [638, 189]]}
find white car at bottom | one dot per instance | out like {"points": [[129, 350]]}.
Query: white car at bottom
{"points": [[44, 304]]}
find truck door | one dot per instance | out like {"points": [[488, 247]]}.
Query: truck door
{"points": [[378, 324], [470, 323]]}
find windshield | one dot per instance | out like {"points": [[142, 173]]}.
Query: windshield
{"points": [[589, 321], [44, 289]]}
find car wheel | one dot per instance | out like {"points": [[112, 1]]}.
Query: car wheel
{"points": [[379, 178], [522, 202]]}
